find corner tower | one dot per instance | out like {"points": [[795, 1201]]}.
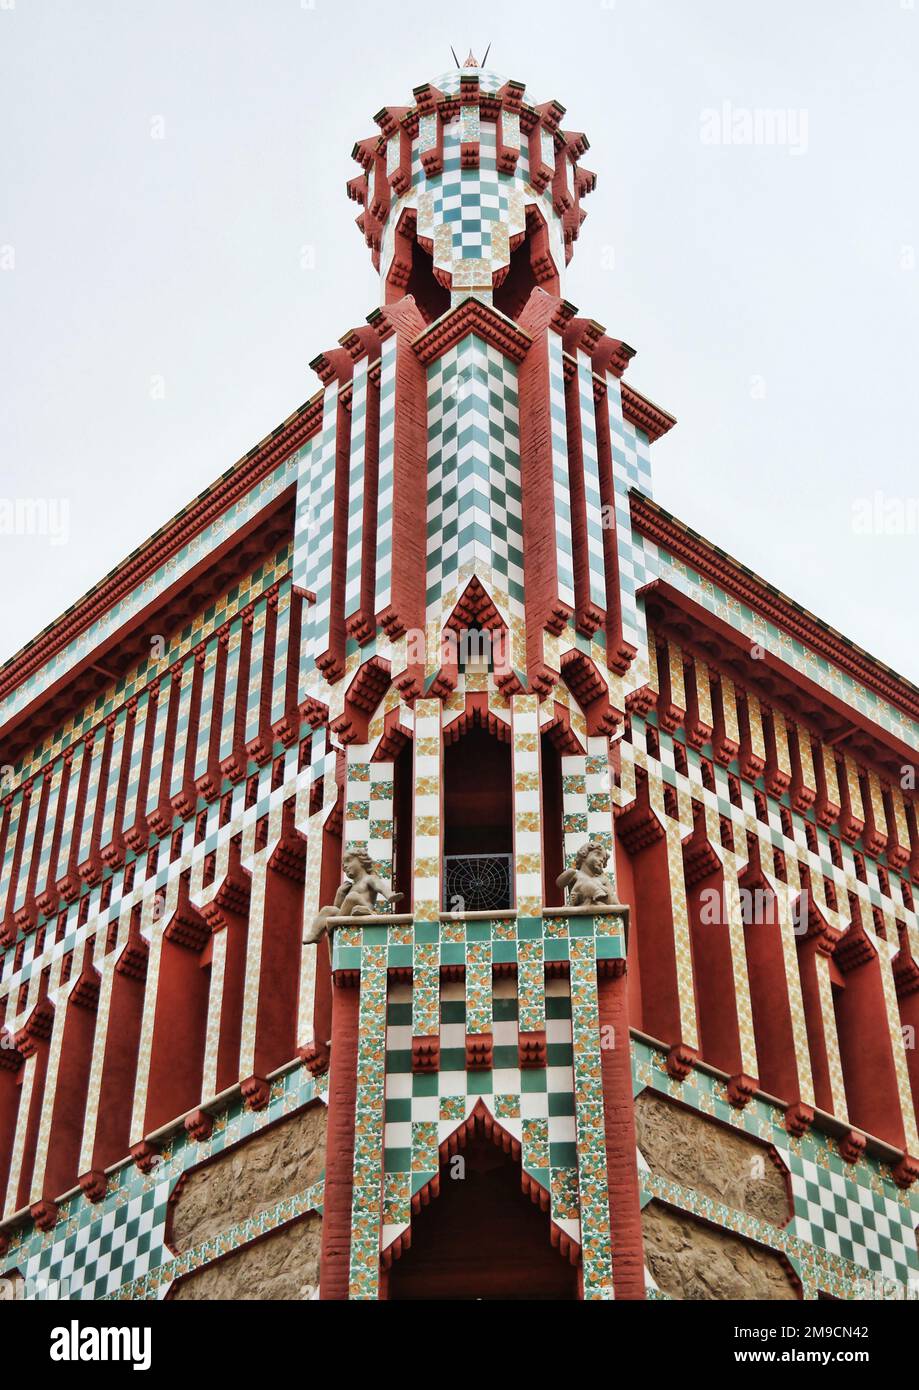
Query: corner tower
{"points": [[480, 656]]}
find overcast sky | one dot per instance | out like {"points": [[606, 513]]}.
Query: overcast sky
{"points": [[176, 245]]}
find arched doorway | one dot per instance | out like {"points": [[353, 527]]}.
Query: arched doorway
{"points": [[482, 1237]]}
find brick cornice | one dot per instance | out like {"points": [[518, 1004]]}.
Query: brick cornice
{"points": [[249, 470], [644, 414], [472, 316], [658, 525]]}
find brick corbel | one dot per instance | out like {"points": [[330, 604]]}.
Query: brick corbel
{"points": [[199, 1125], [426, 1053], [146, 1155], [256, 1092], [44, 1214], [94, 1184]]}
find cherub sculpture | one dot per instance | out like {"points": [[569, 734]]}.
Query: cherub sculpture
{"points": [[587, 882], [355, 898]]}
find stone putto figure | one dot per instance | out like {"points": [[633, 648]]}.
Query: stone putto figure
{"points": [[356, 897], [587, 882]]}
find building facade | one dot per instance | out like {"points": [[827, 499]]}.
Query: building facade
{"points": [[429, 869]]}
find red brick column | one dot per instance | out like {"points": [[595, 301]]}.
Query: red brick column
{"points": [[542, 315], [619, 1119], [336, 1213]]}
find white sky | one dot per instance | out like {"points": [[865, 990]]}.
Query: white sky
{"points": [[156, 317]]}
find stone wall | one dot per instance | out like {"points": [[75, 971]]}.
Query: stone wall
{"points": [[688, 1258], [724, 1164], [284, 1265], [237, 1185]]}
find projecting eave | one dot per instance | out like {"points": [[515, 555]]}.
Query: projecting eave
{"points": [[685, 544], [642, 412], [164, 543]]}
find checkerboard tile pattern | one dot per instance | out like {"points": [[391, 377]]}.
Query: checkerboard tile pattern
{"points": [[592, 500], [853, 1232], [535, 1106], [314, 527], [587, 809], [369, 810], [471, 215], [323, 770], [631, 468], [857, 1222], [116, 1248], [555, 1112], [474, 517]]}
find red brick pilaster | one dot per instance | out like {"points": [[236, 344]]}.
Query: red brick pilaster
{"points": [[337, 366], [335, 1257], [185, 800], [136, 835], [543, 606], [27, 915], [619, 1119]]}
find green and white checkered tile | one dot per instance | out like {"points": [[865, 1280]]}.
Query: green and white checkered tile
{"points": [[852, 1234], [561, 491], [314, 526], [857, 1220], [471, 215], [474, 515], [95, 1250], [592, 499], [535, 1105]]}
